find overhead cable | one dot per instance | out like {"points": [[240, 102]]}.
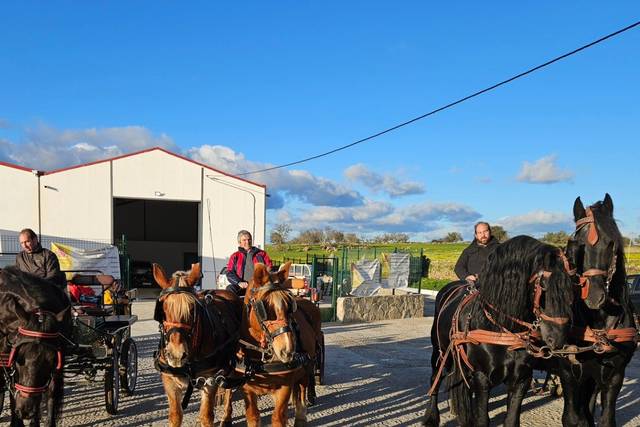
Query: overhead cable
{"points": [[447, 106]]}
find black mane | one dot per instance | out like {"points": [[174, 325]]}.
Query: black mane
{"points": [[505, 279]]}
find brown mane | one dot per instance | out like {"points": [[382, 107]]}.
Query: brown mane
{"points": [[179, 306]]}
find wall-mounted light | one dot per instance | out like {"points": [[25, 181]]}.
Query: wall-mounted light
{"points": [[159, 193]]}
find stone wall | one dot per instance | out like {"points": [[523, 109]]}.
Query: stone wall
{"points": [[369, 309]]}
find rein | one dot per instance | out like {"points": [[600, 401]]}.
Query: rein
{"points": [[512, 340]]}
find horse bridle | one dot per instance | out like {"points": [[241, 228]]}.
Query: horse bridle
{"points": [[257, 306], [584, 281], [25, 336], [536, 279], [189, 332]]}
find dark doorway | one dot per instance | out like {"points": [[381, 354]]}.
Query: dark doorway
{"points": [[164, 232]]}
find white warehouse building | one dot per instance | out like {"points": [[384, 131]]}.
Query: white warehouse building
{"points": [[171, 209]]}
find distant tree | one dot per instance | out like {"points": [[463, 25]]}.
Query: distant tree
{"points": [[391, 238], [626, 241], [559, 238], [452, 237], [499, 233], [280, 234], [351, 239], [636, 241], [333, 237], [312, 236]]}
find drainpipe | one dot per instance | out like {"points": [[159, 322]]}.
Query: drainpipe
{"points": [[38, 174]]}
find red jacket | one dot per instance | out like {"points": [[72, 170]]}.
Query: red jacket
{"points": [[235, 267]]}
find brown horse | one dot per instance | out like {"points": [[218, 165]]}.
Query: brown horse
{"points": [[198, 339], [279, 335]]}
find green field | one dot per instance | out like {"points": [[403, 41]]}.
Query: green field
{"points": [[443, 256]]}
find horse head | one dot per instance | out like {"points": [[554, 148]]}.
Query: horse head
{"points": [[176, 310], [36, 359], [596, 252], [552, 297], [270, 312]]}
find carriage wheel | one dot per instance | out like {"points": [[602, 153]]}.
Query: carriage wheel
{"points": [[1, 398], [320, 358], [129, 367], [112, 383]]}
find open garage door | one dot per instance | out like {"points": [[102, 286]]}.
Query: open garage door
{"points": [[165, 232]]}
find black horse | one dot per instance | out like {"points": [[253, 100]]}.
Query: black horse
{"points": [[34, 319], [603, 317], [490, 335]]}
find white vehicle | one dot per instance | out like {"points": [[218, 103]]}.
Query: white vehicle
{"points": [[222, 282]]}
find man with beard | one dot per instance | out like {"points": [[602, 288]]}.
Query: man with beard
{"points": [[474, 256]]}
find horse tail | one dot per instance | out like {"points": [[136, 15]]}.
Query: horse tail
{"points": [[460, 397]]}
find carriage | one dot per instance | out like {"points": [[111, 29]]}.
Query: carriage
{"points": [[101, 338]]}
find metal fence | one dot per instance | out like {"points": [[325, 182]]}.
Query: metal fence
{"points": [[338, 267], [10, 247]]}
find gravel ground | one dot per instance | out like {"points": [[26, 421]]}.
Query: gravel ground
{"points": [[376, 374]]}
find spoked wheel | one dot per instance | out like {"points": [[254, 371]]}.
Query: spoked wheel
{"points": [[112, 384], [1, 397], [319, 368], [129, 367]]}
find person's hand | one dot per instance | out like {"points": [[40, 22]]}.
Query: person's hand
{"points": [[243, 285], [471, 278]]}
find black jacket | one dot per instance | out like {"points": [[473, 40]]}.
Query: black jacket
{"points": [[42, 263], [473, 257]]}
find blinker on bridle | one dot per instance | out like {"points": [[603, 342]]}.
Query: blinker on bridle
{"points": [[592, 238]]}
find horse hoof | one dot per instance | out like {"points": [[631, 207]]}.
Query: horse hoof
{"points": [[300, 423], [431, 419]]}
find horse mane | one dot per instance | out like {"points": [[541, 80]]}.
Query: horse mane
{"points": [[505, 280], [280, 300]]}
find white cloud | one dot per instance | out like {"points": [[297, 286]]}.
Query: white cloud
{"points": [[376, 217], [300, 184], [47, 148], [536, 222], [544, 171], [382, 183]]}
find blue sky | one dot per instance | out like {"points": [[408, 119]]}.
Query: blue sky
{"points": [[251, 84]]}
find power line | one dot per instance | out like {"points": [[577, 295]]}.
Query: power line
{"points": [[459, 101]]}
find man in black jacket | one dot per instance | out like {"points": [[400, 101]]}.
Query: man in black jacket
{"points": [[39, 261], [474, 256]]}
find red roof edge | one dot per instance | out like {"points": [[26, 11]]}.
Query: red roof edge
{"points": [[146, 151], [11, 165]]}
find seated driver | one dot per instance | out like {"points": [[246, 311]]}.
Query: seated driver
{"points": [[241, 262]]}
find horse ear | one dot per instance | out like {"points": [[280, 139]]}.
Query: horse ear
{"points": [[578, 210], [61, 314], [160, 276], [259, 274], [608, 204], [194, 274], [283, 272]]}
